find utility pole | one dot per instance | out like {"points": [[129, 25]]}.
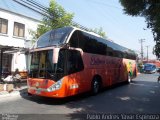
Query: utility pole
{"points": [[141, 42], [147, 52]]}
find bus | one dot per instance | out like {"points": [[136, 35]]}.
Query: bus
{"points": [[69, 61]]}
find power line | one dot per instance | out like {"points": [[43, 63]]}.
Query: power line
{"points": [[105, 4], [37, 7], [46, 9], [23, 3], [33, 5]]}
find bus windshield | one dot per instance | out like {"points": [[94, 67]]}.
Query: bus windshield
{"points": [[54, 37], [42, 65]]}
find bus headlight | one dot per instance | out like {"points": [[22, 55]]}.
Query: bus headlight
{"points": [[55, 86]]}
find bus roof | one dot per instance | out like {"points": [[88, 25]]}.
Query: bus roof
{"points": [[108, 42], [50, 39]]}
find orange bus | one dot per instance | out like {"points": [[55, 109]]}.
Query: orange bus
{"points": [[68, 61]]}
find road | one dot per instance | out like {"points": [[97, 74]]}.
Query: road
{"points": [[142, 96]]}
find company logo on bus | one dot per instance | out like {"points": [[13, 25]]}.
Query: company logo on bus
{"points": [[104, 61]]}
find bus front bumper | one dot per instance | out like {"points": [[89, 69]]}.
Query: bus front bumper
{"points": [[45, 92]]}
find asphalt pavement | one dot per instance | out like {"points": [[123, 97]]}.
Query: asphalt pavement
{"points": [[140, 97]]}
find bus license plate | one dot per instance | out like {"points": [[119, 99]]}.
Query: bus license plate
{"points": [[38, 91]]}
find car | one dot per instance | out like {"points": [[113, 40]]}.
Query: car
{"points": [[149, 68], [158, 70]]}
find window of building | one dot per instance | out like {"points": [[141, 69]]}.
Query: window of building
{"points": [[19, 29], [6, 64], [3, 26]]}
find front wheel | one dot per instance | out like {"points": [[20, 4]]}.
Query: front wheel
{"points": [[95, 86], [29, 94]]}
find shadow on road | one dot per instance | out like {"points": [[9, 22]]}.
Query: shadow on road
{"points": [[139, 97], [62, 101]]}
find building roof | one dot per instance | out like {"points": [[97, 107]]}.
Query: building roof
{"points": [[19, 7], [12, 49]]}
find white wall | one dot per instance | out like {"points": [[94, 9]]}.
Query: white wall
{"points": [[10, 40], [19, 61]]}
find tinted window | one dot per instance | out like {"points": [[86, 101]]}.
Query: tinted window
{"points": [[74, 62], [88, 43], [54, 37], [77, 40], [92, 44], [74, 41], [42, 65]]}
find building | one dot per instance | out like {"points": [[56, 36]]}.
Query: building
{"points": [[17, 20], [156, 62]]}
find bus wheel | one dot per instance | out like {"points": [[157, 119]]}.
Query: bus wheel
{"points": [[29, 94], [95, 86], [129, 78]]}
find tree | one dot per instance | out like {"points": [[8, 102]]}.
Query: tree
{"points": [[56, 17], [149, 9], [99, 31]]}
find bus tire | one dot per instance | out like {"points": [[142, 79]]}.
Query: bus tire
{"points": [[95, 86], [29, 94]]}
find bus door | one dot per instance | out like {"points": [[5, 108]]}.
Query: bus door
{"points": [[75, 72]]}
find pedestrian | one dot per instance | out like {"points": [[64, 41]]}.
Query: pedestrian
{"points": [[17, 78]]}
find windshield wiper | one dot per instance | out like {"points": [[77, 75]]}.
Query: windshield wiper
{"points": [[52, 75]]}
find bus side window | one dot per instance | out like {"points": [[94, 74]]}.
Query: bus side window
{"points": [[110, 52], [74, 62], [74, 41]]}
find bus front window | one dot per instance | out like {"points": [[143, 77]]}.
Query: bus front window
{"points": [[42, 65], [54, 37]]}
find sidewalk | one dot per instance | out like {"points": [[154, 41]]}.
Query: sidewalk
{"points": [[15, 92]]}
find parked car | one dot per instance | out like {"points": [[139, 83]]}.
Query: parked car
{"points": [[149, 68], [158, 70]]}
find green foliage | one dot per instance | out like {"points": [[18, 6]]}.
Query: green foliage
{"points": [[56, 17], [99, 31], [150, 10]]}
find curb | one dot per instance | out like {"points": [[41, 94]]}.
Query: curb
{"points": [[17, 93], [5, 94]]}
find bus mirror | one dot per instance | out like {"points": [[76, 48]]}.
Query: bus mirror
{"points": [[55, 55]]}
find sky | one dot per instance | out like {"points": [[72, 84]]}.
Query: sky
{"points": [[13, 6], [108, 14]]}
